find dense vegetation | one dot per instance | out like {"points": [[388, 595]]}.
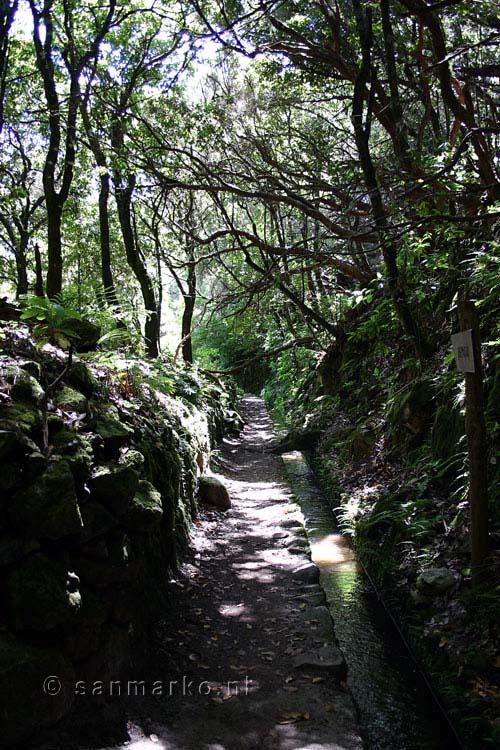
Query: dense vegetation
{"points": [[302, 194]]}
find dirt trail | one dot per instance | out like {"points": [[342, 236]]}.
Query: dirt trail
{"points": [[247, 658]]}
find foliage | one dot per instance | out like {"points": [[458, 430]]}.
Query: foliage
{"points": [[52, 321]]}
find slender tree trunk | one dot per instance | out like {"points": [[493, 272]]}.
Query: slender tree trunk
{"points": [[21, 267], [104, 236], [187, 316], [54, 247], [124, 205], [38, 272]]}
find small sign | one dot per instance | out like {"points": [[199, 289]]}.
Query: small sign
{"points": [[463, 351]]}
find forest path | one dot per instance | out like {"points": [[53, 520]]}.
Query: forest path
{"points": [[246, 607]]}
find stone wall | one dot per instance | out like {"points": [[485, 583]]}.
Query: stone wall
{"points": [[97, 490]]}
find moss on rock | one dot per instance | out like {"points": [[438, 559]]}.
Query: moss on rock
{"points": [[48, 508], [114, 485], [39, 595], [69, 399], [144, 511]]}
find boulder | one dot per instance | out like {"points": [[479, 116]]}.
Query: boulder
{"points": [[114, 485], [41, 595], [82, 378], [134, 459], [213, 492], [435, 581], [86, 333], [23, 386], [48, 508], [144, 511], [21, 415], [107, 424], [28, 702], [76, 450], [69, 399]]}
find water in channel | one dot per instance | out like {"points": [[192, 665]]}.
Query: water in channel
{"points": [[396, 710]]}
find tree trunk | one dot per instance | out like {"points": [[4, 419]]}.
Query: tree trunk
{"points": [[476, 441], [21, 267], [362, 138], [38, 272], [187, 316], [54, 247], [104, 236], [124, 205]]}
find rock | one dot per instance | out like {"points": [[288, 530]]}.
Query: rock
{"points": [[81, 377], [76, 450], [307, 573], [32, 367], [25, 706], [39, 595], [107, 424], [144, 511], [69, 399], [86, 333], [21, 415], [13, 444], [233, 422], [213, 492], [114, 485], [85, 636], [134, 459], [328, 659], [48, 508], [321, 615], [23, 386], [100, 574], [9, 311], [97, 521], [435, 581], [292, 523], [298, 541], [298, 550]]}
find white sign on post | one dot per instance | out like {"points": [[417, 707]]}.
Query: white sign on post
{"points": [[463, 351]]}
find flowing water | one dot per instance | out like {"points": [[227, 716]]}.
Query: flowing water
{"points": [[396, 709]]}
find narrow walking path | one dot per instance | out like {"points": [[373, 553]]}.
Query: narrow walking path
{"points": [[248, 649]]}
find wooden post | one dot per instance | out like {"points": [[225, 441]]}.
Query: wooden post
{"points": [[476, 440]]}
